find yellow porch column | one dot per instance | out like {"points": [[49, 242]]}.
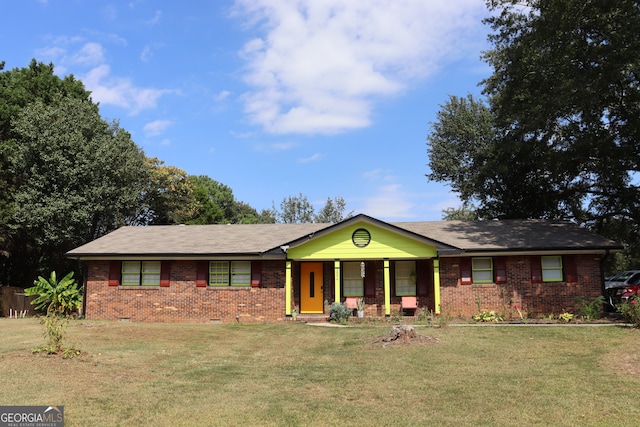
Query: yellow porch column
{"points": [[336, 270], [387, 289], [288, 289], [436, 285]]}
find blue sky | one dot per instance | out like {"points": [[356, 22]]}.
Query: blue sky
{"points": [[271, 97]]}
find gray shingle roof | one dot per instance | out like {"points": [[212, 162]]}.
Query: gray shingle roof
{"points": [[511, 235], [186, 240], [252, 239]]}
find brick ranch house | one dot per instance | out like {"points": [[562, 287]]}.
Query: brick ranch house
{"points": [[262, 272]]}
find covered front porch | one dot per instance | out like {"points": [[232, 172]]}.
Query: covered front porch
{"points": [[387, 268], [383, 286]]}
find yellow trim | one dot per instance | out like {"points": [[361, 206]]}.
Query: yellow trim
{"points": [[287, 289], [436, 285], [384, 243], [336, 269], [387, 289]]}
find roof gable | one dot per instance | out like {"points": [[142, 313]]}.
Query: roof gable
{"points": [[379, 241]]}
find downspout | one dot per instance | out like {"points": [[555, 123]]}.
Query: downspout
{"points": [[436, 285], [606, 255], [84, 269]]}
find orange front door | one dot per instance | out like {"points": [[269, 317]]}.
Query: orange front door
{"points": [[311, 287]]}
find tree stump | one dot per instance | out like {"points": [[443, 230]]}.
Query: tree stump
{"points": [[401, 332]]}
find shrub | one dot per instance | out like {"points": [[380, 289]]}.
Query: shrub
{"points": [[339, 312], [434, 319], [630, 311], [487, 316], [59, 299], [566, 317], [591, 310]]}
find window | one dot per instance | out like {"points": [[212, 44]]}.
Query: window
{"points": [[552, 268], [241, 273], [482, 270], [405, 278], [141, 273], [352, 281], [230, 273]]}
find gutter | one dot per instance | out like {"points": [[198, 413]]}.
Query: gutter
{"points": [[604, 257]]}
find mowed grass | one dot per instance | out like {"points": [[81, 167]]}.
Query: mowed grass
{"points": [[292, 374]]}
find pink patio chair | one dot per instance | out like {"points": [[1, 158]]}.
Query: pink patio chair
{"points": [[352, 302], [410, 303]]}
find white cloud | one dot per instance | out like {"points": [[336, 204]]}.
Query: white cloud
{"points": [[157, 127], [146, 54], [321, 66], [105, 88], [389, 201], [110, 12], [385, 198], [222, 95], [120, 92], [90, 54], [312, 158], [156, 18]]}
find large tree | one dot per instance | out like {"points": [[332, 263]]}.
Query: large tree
{"points": [[18, 88], [295, 210], [216, 204], [298, 209], [167, 197], [78, 178], [333, 211], [564, 102]]}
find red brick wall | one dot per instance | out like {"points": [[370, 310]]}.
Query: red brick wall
{"points": [[182, 301], [537, 299]]}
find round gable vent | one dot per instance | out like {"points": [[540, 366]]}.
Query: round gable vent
{"points": [[361, 237]]}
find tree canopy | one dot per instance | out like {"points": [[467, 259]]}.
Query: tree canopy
{"points": [[78, 178], [558, 135], [216, 204], [68, 177], [298, 209]]}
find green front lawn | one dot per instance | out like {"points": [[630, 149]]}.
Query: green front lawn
{"points": [[293, 374]]}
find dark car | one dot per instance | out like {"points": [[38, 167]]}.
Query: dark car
{"points": [[629, 277], [622, 287]]}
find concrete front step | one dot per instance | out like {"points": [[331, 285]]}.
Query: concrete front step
{"points": [[320, 317]]}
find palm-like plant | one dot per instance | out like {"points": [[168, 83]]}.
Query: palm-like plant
{"points": [[61, 297]]}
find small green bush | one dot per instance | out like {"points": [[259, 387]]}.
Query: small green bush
{"points": [[487, 316], [591, 309], [566, 317], [339, 312]]}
